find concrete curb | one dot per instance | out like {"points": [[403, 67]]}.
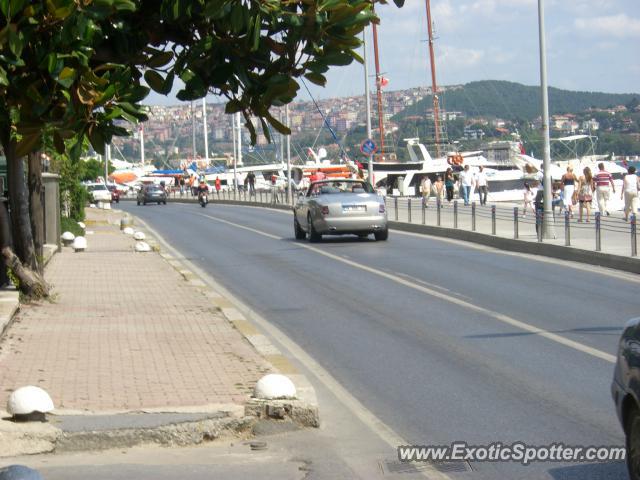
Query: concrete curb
{"points": [[608, 260]]}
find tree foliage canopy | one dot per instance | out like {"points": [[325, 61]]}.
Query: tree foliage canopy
{"points": [[75, 67]]}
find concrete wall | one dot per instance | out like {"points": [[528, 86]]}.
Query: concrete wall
{"points": [[51, 183]]}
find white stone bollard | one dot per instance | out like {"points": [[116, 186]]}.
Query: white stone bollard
{"points": [[143, 247], [139, 236], [274, 386], [79, 244], [67, 238], [82, 225], [29, 399], [128, 231]]}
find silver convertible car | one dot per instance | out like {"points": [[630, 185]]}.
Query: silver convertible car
{"points": [[338, 207]]}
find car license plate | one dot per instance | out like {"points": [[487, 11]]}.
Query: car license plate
{"points": [[354, 208]]}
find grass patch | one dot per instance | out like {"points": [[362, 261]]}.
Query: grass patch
{"points": [[70, 225]]}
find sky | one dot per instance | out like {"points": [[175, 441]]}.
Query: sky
{"points": [[592, 45]]}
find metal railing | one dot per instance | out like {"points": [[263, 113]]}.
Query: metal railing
{"points": [[610, 234]]}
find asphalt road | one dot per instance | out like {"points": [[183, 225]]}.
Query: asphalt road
{"points": [[437, 338]]}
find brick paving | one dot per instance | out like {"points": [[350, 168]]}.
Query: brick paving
{"points": [[125, 331]]}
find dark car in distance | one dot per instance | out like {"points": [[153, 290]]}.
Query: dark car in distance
{"points": [[625, 389], [152, 193], [115, 194]]}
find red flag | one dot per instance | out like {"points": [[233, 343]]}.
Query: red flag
{"points": [[384, 82]]}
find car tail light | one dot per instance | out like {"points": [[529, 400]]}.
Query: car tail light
{"points": [[381, 209], [325, 210]]}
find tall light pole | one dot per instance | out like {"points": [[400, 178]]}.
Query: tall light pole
{"points": [[548, 230], [204, 128], [367, 96], [193, 133], [289, 192]]}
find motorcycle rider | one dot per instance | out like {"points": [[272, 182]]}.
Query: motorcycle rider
{"points": [[203, 188]]}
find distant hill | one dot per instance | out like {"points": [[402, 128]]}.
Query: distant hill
{"points": [[509, 100]]}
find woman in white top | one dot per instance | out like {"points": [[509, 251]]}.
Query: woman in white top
{"points": [[630, 193]]}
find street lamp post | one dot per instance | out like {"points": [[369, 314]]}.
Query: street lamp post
{"points": [[548, 230]]}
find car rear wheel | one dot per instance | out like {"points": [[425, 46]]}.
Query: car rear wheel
{"points": [[300, 233], [164, 203], [138, 202], [144, 202], [633, 444], [313, 235], [381, 235]]}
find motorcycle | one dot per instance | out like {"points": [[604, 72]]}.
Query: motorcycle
{"points": [[203, 198]]}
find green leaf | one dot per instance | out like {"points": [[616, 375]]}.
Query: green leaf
{"points": [[159, 60], [316, 78], [233, 106], [28, 144], [97, 139], [154, 80], [256, 33], [4, 6], [4, 81], [281, 128], [16, 42], [67, 77]]}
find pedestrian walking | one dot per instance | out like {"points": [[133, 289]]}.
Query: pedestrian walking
{"points": [[629, 192], [251, 180], [438, 188], [449, 182], [218, 185], [482, 185], [425, 187], [182, 185], [538, 203], [466, 182], [568, 187], [604, 187], [585, 192], [528, 200]]}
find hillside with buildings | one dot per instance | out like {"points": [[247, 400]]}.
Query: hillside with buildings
{"points": [[474, 113]]}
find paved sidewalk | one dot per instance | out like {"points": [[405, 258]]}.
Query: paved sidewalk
{"points": [[126, 331]]}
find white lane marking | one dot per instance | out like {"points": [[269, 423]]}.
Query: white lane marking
{"points": [[368, 418], [442, 296], [617, 274]]}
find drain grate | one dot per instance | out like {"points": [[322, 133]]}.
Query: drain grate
{"points": [[395, 467]]}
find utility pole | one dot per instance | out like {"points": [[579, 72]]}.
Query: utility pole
{"points": [[548, 229]]}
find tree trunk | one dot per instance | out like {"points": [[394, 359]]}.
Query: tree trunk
{"points": [[19, 202], [30, 283], [35, 206]]}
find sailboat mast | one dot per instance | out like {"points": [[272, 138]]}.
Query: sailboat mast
{"points": [[434, 85], [379, 89]]}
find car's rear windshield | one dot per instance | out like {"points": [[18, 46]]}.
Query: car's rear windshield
{"points": [[336, 186], [153, 187], [93, 188]]}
